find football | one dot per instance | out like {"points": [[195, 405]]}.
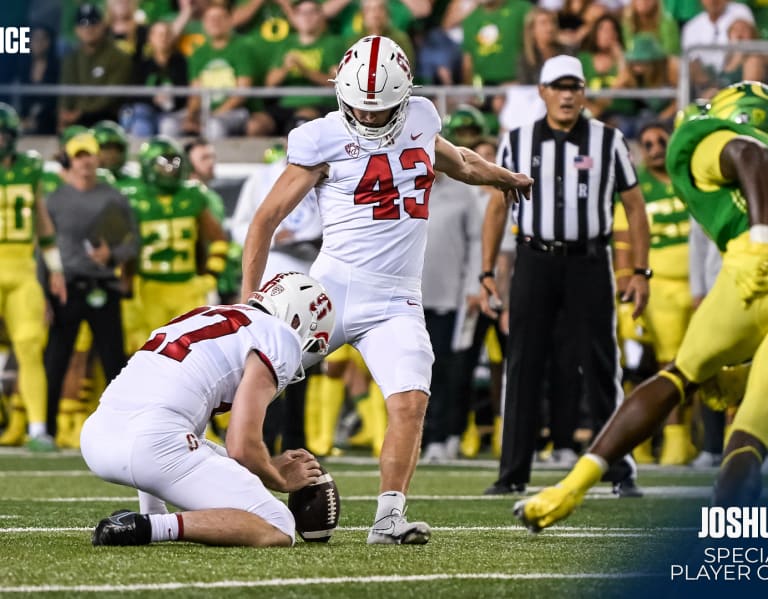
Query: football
{"points": [[316, 509]]}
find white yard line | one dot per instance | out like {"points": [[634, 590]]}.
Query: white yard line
{"points": [[290, 582], [596, 493], [587, 531]]}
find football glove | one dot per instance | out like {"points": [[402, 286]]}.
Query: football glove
{"points": [[747, 262]]}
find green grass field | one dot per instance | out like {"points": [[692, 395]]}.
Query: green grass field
{"points": [[608, 548]]}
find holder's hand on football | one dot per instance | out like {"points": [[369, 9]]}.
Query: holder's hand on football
{"points": [[298, 468]]}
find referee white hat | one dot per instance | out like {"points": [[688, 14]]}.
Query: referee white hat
{"points": [[561, 66]]}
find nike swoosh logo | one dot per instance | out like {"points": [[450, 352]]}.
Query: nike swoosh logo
{"points": [[411, 303], [417, 136]]}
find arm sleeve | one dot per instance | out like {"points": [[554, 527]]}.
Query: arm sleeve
{"points": [[705, 160], [302, 147], [620, 222]]}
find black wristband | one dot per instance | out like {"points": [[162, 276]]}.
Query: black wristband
{"points": [[485, 274], [646, 272]]}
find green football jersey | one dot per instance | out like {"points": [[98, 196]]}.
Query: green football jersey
{"points": [[722, 213], [667, 214], [168, 230], [125, 182], [18, 188]]}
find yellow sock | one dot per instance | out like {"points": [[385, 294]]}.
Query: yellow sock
{"points": [[378, 417], [498, 425], [584, 474], [643, 453], [16, 431], [470, 440], [677, 448], [65, 422], [331, 397]]}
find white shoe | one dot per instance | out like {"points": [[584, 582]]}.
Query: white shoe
{"points": [[434, 454], [565, 457], [706, 459], [396, 530], [452, 447]]}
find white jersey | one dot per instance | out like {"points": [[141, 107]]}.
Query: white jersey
{"points": [[193, 365], [375, 202]]}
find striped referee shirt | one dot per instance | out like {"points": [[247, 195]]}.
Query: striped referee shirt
{"points": [[576, 175]]}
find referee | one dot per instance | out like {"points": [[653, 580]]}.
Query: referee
{"points": [[563, 264]]}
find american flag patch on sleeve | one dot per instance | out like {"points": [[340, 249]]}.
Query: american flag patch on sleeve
{"points": [[583, 162]]}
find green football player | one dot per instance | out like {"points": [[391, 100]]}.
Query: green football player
{"points": [[113, 154], [176, 228], [719, 166], [24, 226]]}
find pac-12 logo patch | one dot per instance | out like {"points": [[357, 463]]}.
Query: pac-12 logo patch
{"points": [[352, 149]]}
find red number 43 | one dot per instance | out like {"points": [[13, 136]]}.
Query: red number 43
{"points": [[377, 185]]}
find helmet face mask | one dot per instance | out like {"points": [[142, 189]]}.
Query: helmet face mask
{"points": [[163, 163], [374, 75], [303, 304], [745, 103], [9, 130]]}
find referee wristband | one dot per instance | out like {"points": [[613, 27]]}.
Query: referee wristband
{"points": [[485, 274]]}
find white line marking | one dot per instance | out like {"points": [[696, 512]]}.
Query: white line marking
{"points": [[596, 493], [288, 582], [558, 530], [43, 473]]}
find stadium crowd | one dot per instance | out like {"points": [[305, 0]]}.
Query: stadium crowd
{"points": [[173, 252], [274, 44]]}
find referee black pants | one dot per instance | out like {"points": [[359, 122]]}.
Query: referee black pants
{"points": [[581, 286]]}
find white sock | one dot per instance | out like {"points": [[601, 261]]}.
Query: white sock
{"points": [[149, 504], [165, 527], [389, 502], [597, 460], [37, 429]]}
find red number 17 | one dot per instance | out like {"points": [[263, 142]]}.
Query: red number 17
{"points": [[179, 349]]}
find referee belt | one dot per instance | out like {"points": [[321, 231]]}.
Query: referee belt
{"points": [[590, 247]]}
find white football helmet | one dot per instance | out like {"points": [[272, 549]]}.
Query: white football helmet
{"points": [[374, 75], [303, 303]]}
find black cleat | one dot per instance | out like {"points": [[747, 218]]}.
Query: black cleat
{"points": [[626, 489], [502, 489], [123, 528]]}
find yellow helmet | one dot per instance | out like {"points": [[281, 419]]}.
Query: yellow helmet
{"points": [[745, 102]]}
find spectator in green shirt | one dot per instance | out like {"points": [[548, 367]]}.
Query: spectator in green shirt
{"points": [[649, 16], [307, 58], [493, 41], [377, 21], [223, 61]]}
